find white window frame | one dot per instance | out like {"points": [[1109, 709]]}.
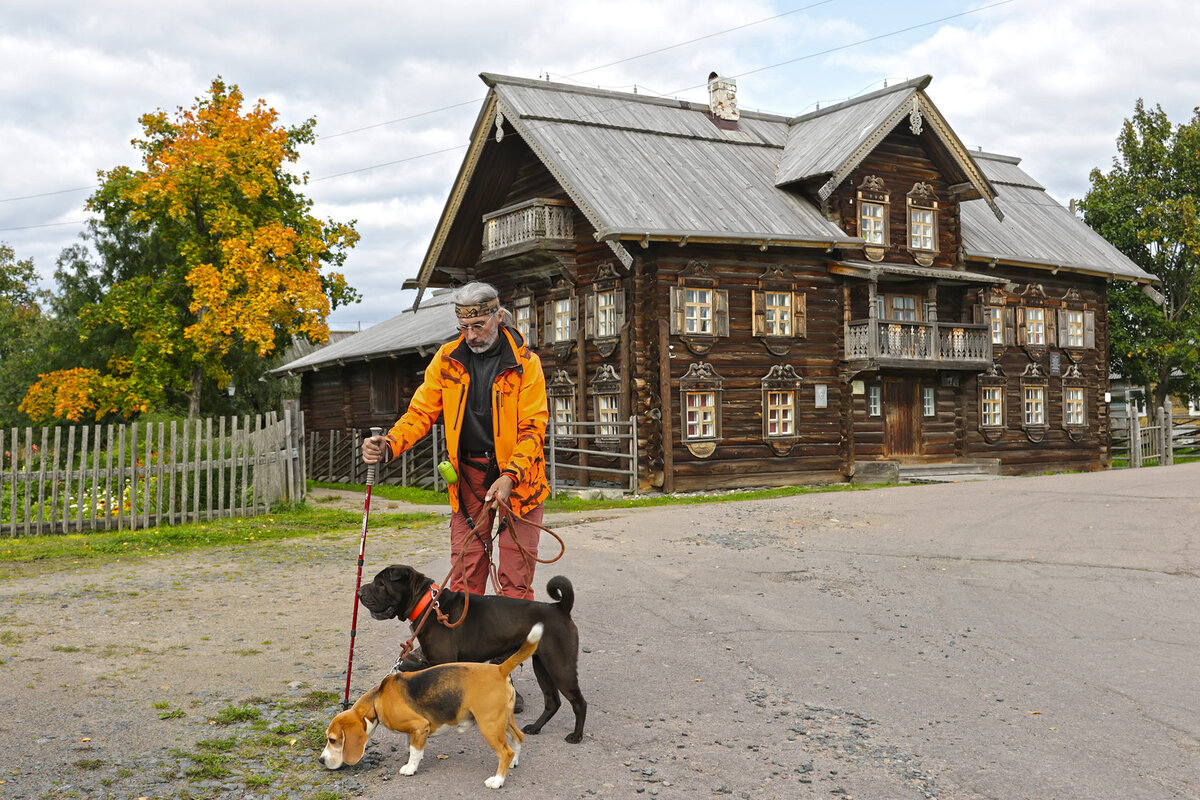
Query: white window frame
{"points": [[777, 313], [1074, 407], [872, 227], [608, 411], [995, 318], [874, 400], [606, 313], [525, 318], [1073, 328], [991, 406], [779, 413], [1035, 326], [1033, 405], [698, 318], [928, 401], [700, 417], [563, 414]]}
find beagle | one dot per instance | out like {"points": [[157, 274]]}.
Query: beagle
{"points": [[422, 703]]}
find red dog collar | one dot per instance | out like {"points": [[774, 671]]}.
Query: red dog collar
{"points": [[424, 602]]}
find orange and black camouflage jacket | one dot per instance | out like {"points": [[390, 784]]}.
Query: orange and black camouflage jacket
{"points": [[519, 415]]}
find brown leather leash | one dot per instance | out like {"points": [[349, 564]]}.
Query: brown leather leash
{"points": [[434, 607]]}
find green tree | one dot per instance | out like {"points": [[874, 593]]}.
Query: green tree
{"points": [[21, 316], [1146, 205], [209, 258]]}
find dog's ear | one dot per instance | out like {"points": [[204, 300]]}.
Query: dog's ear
{"points": [[396, 573], [354, 738]]}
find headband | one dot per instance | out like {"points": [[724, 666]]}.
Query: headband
{"points": [[471, 310]]}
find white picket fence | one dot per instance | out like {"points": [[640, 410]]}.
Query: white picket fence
{"points": [[138, 475]]}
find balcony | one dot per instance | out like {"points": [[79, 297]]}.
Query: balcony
{"points": [[874, 343], [533, 226]]}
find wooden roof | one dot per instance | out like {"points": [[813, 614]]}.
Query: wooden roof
{"points": [[1036, 230], [645, 168], [414, 330]]}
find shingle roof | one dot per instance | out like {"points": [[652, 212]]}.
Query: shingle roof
{"points": [[1036, 229], [429, 326]]}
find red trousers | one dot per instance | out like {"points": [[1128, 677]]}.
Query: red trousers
{"points": [[515, 568]]}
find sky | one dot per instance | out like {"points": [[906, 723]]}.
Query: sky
{"points": [[395, 89]]}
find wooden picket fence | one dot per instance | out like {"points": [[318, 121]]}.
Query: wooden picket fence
{"points": [[139, 475]]}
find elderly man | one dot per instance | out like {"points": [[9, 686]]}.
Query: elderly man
{"points": [[490, 390]]}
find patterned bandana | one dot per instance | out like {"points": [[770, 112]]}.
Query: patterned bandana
{"points": [[476, 309]]}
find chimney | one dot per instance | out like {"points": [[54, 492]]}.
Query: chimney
{"points": [[722, 97]]}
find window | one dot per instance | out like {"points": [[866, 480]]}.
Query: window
{"points": [[1076, 328], [1035, 406], [870, 222], [780, 388], [564, 415], [605, 389], [779, 413], [701, 415], [700, 409], [922, 223], [996, 324], [873, 216], [523, 316], [874, 401], [606, 313], [777, 313], [608, 410], [928, 401], [992, 407], [560, 316], [699, 310], [903, 308], [1035, 326], [605, 309], [1074, 407], [1073, 329], [561, 393]]}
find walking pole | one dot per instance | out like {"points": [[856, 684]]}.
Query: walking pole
{"points": [[362, 549]]}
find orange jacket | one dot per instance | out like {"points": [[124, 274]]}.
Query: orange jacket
{"points": [[519, 415]]}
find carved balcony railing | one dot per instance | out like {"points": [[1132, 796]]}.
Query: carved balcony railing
{"points": [[919, 344], [540, 224]]}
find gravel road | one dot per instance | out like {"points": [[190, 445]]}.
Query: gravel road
{"points": [[1020, 638]]}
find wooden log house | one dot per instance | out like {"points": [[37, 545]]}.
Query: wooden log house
{"points": [[780, 300]]}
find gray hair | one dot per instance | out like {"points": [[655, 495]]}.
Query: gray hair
{"points": [[478, 292]]}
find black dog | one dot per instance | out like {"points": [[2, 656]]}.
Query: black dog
{"points": [[495, 627]]}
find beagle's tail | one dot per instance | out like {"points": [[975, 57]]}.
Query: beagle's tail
{"points": [[531, 644]]}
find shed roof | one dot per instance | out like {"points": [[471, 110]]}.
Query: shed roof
{"points": [[410, 331]]}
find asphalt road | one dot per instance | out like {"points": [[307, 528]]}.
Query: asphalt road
{"points": [[1018, 638]]}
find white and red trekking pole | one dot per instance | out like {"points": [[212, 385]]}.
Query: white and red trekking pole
{"points": [[362, 549]]}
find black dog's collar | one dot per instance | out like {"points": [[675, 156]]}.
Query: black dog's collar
{"points": [[430, 595]]}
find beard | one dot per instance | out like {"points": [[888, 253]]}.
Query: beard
{"points": [[486, 345]]}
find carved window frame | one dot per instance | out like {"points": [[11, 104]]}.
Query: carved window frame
{"points": [[1034, 380], [1073, 381], [922, 198], [992, 390], [1073, 303], [552, 313], [605, 384], [776, 282], [562, 388], [781, 378], [523, 305], [1033, 297], [993, 310], [607, 282], [700, 380], [872, 192], [698, 277]]}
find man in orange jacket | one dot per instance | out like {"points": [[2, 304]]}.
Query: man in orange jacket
{"points": [[490, 390]]}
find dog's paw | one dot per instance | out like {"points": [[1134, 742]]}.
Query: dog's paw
{"points": [[408, 769], [494, 782], [574, 738], [533, 729]]}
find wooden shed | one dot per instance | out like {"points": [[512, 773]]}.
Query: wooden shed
{"points": [[779, 300]]}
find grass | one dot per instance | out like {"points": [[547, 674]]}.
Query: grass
{"points": [[297, 521], [285, 522]]}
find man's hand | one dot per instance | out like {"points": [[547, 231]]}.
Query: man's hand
{"points": [[500, 490], [376, 450]]}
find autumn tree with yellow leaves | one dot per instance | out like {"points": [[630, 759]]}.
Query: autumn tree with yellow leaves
{"points": [[211, 256]]}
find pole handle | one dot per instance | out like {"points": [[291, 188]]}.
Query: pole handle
{"points": [[371, 467]]}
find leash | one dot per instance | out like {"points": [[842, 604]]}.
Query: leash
{"points": [[362, 549], [434, 606]]}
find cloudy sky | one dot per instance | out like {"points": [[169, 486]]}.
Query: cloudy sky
{"points": [[395, 88]]}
